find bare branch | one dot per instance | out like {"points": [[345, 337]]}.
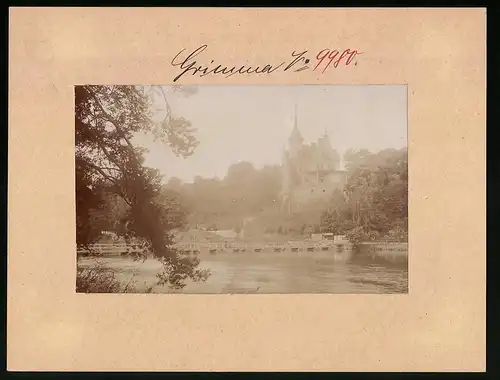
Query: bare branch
{"points": [[167, 105]]}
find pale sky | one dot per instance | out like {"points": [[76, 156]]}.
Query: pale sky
{"points": [[252, 123]]}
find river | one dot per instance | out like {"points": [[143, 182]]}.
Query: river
{"points": [[263, 273]]}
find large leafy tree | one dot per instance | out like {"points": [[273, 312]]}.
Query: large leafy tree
{"points": [[114, 189], [375, 200]]}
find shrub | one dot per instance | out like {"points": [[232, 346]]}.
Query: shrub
{"points": [[397, 234], [99, 279]]}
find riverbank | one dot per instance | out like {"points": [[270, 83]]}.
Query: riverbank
{"points": [[394, 252]]}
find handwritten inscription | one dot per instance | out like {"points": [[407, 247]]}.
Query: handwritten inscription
{"points": [[188, 63], [335, 56]]}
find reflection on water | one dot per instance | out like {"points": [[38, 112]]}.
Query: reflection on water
{"points": [[268, 273]]}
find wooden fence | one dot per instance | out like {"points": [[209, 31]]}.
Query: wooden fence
{"points": [[293, 246]]}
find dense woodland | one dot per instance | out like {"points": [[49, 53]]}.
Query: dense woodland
{"points": [[224, 203], [373, 205]]}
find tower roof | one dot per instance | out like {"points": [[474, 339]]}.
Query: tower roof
{"points": [[296, 135], [324, 141]]}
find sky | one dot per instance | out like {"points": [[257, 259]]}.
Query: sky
{"points": [[252, 123]]}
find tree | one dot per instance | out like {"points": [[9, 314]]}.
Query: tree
{"points": [[375, 200], [334, 218], [175, 183], [241, 172], [107, 163]]}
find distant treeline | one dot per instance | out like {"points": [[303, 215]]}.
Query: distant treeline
{"points": [[372, 206], [225, 203]]}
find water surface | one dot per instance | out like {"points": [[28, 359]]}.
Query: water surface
{"points": [[267, 272]]}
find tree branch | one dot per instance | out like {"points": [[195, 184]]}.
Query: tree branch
{"points": [[167, 104], [109, 178], [112, 121]]}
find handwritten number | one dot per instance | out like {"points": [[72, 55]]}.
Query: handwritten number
{"points": [[333, 57]]}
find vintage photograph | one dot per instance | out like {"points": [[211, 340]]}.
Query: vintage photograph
{"points": [[241, 189]]}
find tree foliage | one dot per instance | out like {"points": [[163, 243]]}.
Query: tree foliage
{"points": [[374, 205], [114, 189], [224, 203]]}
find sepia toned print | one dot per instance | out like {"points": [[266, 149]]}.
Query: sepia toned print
{"points": [[241, 189]]}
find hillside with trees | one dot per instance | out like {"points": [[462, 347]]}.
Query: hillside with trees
{"points": [[372, 206], [224, 203]]}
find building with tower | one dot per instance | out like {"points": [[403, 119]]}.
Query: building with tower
{"points": [[311, 172]]}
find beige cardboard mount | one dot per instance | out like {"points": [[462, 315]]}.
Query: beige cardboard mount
{"points": [[439, 326]]}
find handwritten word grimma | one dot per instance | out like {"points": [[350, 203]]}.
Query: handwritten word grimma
{"points": [[299, 61]]}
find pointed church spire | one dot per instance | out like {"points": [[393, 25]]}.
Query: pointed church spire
{"points": [[324, 141], [296, 135], [295, 126]]}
